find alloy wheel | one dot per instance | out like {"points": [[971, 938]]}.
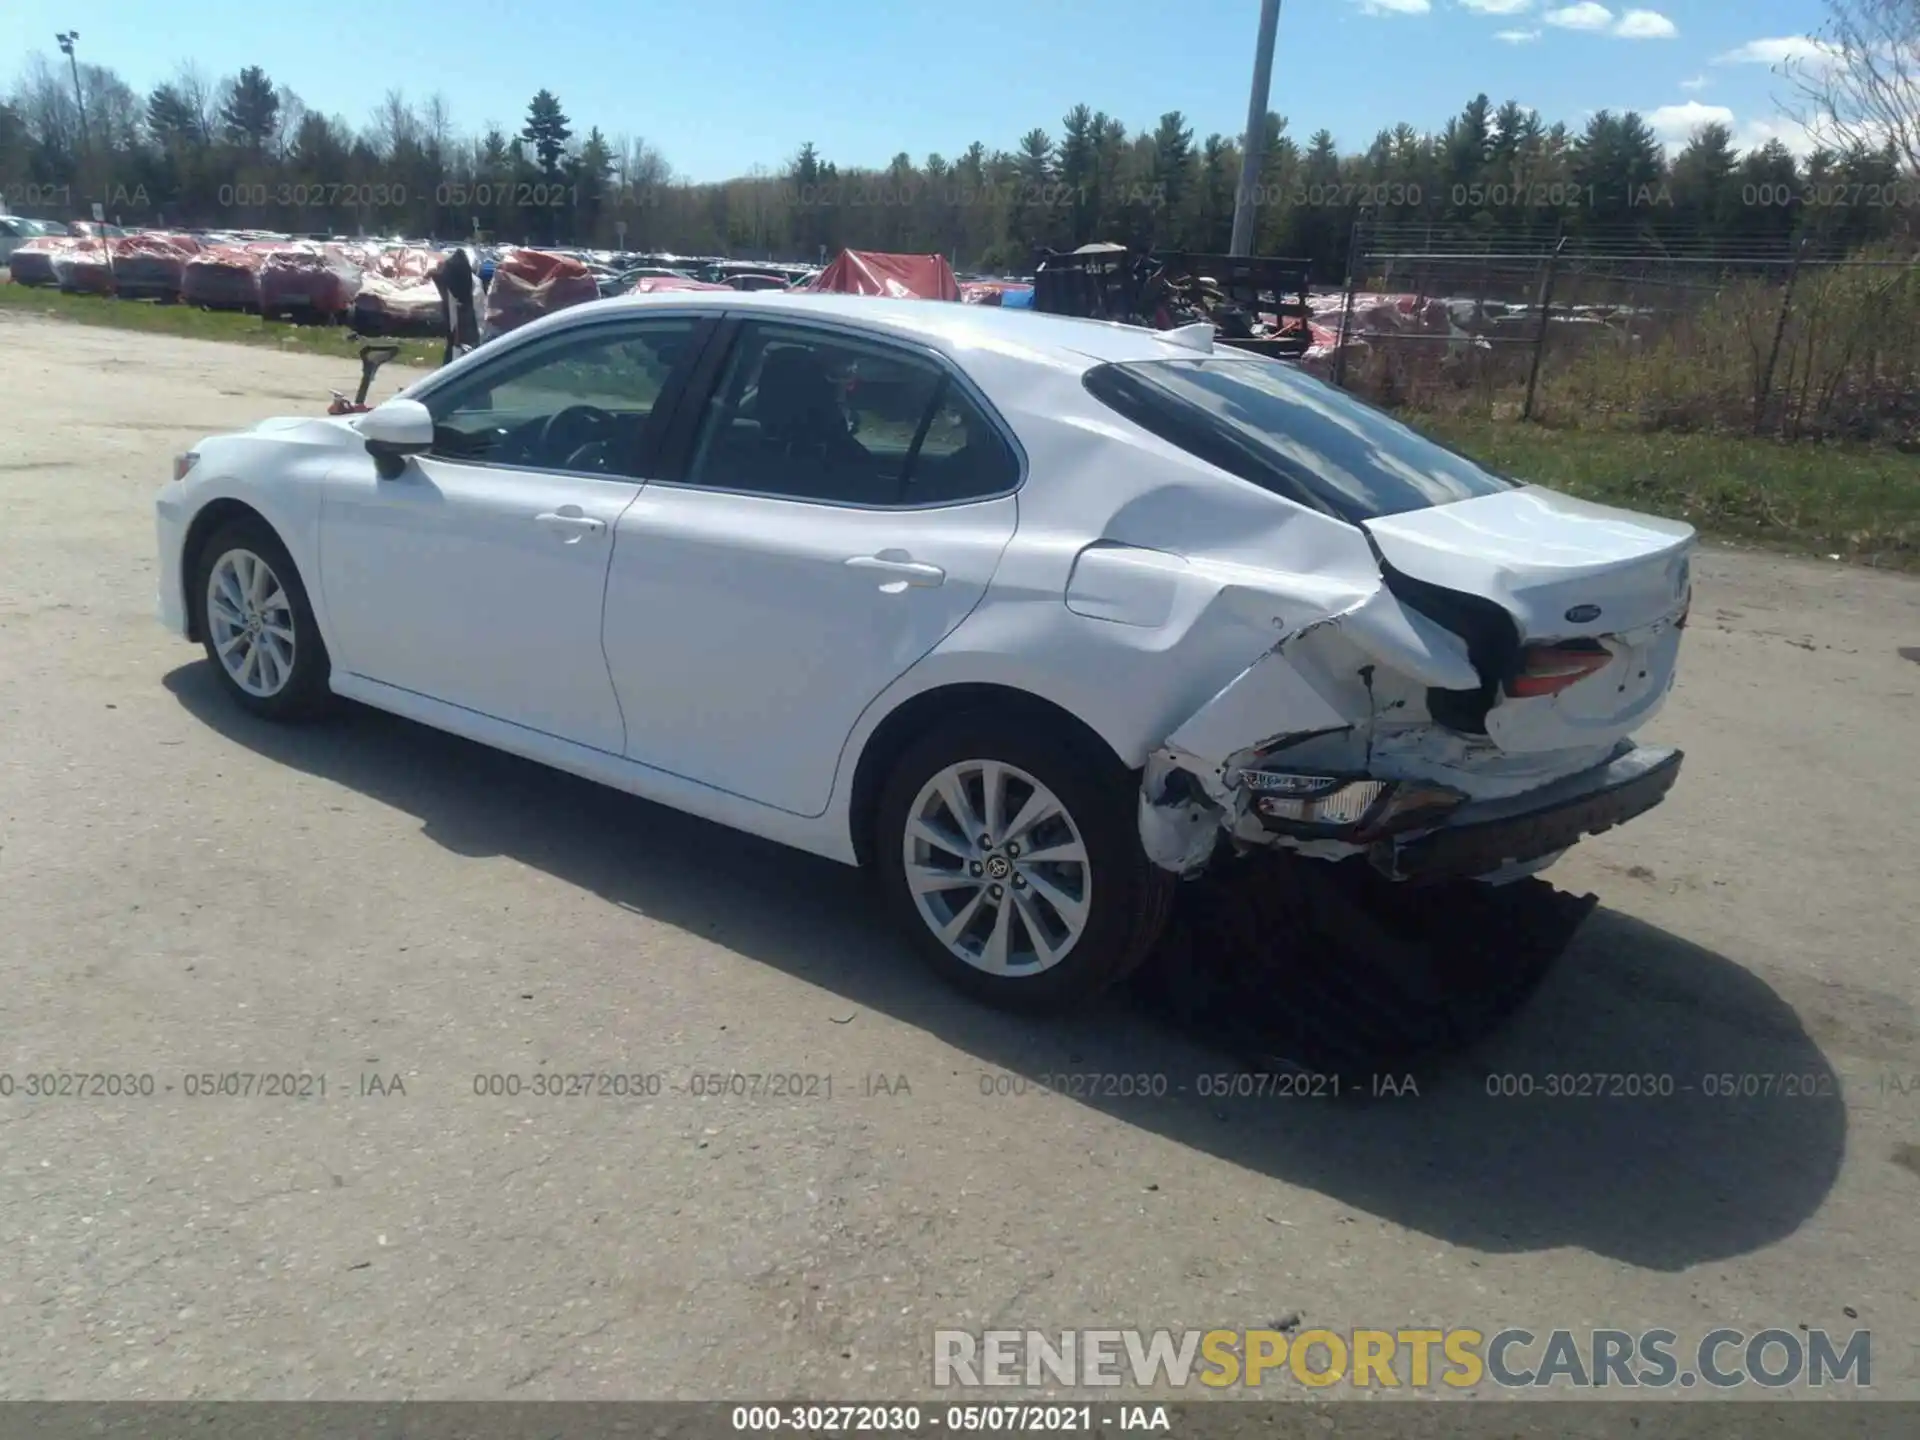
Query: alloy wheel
{"points": [[997, 868], [250, 621]]}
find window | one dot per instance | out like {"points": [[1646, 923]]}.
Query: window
{"points": [[1278, 428], [579, 402], [811, 416]]}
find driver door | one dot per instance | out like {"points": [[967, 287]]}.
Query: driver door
{"points": [[477, 577]]}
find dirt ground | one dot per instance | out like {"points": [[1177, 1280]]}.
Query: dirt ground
{"points": [[183, 891]]}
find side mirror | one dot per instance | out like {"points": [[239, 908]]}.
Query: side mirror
{"points": [[394, 430]]}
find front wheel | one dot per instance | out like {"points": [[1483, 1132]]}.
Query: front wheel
{"points": [[257, 624], [1012, 855]]}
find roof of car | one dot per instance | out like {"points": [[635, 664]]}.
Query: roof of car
{"points": [[950, 325]]}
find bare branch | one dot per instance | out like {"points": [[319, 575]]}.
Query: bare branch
{"points": [[1856, 84]]}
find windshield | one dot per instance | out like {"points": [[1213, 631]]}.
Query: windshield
{"points": [[1279, 428]]}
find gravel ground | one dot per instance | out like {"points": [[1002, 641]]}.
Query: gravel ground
{"points": [[184, 891]]}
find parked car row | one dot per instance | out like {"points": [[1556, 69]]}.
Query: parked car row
{"points": [[379, 286], [387, 287]]}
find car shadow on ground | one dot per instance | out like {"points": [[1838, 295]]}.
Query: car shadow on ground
{"points": [[1663, 1181]]}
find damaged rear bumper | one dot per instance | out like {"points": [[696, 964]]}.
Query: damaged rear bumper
{"points": [[1181, 824], [1362, 767], [1485, 838]]}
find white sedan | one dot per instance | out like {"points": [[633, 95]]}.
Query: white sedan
{"points": [[1034, 616]]}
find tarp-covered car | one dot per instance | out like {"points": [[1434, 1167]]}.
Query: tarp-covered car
{"points": [[31, 262], [17, 230], [224, 276], [528, 284], [396, 294], [308, 277], [150, 265], [83, 266], [872, 272]]}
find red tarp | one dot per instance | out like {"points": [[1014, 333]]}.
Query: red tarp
{"points": [[530, 283], [82, 265], [403, 262], [869, 272], [224, 276], [301, 275], [653, 284], [32, 262], [396, 290], [151, 263]]}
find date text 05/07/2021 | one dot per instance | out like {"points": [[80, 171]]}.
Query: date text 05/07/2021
{"points": [[958, 1419]]}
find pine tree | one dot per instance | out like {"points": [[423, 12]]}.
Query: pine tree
{"points": [[251, 109], [547, 129]]}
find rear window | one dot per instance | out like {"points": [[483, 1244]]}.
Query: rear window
{"points": [[1278, 428]]}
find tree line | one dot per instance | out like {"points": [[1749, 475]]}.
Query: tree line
{"points": [[247, 153]]}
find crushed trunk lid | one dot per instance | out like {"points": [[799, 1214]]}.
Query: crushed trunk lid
{"points": [[1597, 597]]}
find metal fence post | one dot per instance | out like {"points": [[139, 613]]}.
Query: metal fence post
{"points": [[1346, 310], [1540, 336], [1764, 390]]}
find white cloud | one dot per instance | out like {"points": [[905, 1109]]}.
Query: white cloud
{"points": [[1584, 16], [1517, 37], [1645, 25], [1698, 82], [1755, 133], [1495, 7], [1675, 124], [1798, 49], [1395, 7]]}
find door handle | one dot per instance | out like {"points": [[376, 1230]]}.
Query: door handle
{"points": [[910, 572], [575, 525]]}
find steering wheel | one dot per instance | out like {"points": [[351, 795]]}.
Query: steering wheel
{"points": [[571, 429]]}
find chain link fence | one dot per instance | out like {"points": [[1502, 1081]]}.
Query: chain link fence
{"points": [[1797, 339]]}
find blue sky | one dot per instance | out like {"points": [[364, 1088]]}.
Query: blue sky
{"points": [[719, 86]]}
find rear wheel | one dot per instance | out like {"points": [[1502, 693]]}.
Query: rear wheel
{"points": [[257, 625], [1012, 856]]}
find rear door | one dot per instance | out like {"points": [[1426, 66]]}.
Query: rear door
{"points": [[838, 507]]}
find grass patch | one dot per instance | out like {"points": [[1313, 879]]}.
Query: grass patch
{"points": [[1859, 502], [193, 323]]}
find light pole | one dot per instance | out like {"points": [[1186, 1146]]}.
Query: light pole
{"points": [[66, 39], [1255, 141]]}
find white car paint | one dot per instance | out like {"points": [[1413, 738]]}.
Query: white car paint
{"points": [[764, 691], [733, 655], [434, 575]]}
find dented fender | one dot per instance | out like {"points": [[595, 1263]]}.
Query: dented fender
{"points": [[1314, 689], [1345, 694]]}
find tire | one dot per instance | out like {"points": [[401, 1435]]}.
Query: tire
{"points": [[288, 681], [1127, 897]]}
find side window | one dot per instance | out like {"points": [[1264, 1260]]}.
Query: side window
{"points": [[577, 403], [962, 456], [812, 416]]}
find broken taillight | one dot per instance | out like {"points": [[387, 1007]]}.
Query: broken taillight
{"points": [[1549, 669]]}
